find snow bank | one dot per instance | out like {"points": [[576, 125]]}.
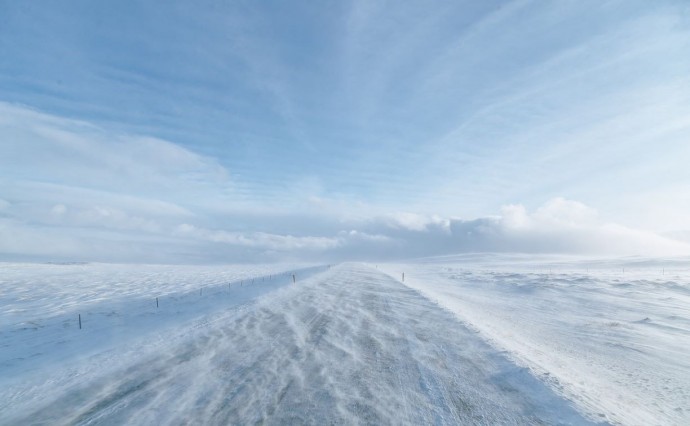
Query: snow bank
{"points": [[614, 336]]}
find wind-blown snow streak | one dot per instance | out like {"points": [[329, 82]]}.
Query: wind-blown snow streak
{"points": [[42, 304], [349, 346], [611, 335]]}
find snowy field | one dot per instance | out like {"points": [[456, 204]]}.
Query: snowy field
{"points": [[613, 336], [464, 340], [41, 304]]}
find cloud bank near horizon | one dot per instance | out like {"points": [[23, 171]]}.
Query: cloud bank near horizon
{"points": [[377, 238], [71, 191]]}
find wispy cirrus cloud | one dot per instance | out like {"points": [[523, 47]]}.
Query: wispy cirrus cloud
{"points": [[365, 127], [92, 194], [449, 108]]}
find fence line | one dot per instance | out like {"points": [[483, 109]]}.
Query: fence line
{"points": [[137, 305]]}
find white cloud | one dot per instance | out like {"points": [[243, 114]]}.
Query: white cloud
{"points": [[559, 226], [515, 216], [555, 214], [42, 148], [259, 240], [562, 212], [59, 172], [108, 234], [73, 191]]}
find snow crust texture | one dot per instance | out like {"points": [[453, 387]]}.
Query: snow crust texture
{"points": [[613, 336], [350, 345], [42, 305]]}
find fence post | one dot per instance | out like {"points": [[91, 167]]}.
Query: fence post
{"points": [[79, 321], [156, 302], [293, 278], [403, 277]]}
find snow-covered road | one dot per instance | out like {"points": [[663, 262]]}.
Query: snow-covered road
{"points": [[611, 335], [348, 346]]}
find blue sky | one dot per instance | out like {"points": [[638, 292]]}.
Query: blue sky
{"points": [[264, 130]]}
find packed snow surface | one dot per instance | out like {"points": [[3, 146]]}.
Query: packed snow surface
{"points": [[42, 305], [342, 345], [613, 336]]}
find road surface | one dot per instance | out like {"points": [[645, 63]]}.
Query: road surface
{"points": [[349, 346]]}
